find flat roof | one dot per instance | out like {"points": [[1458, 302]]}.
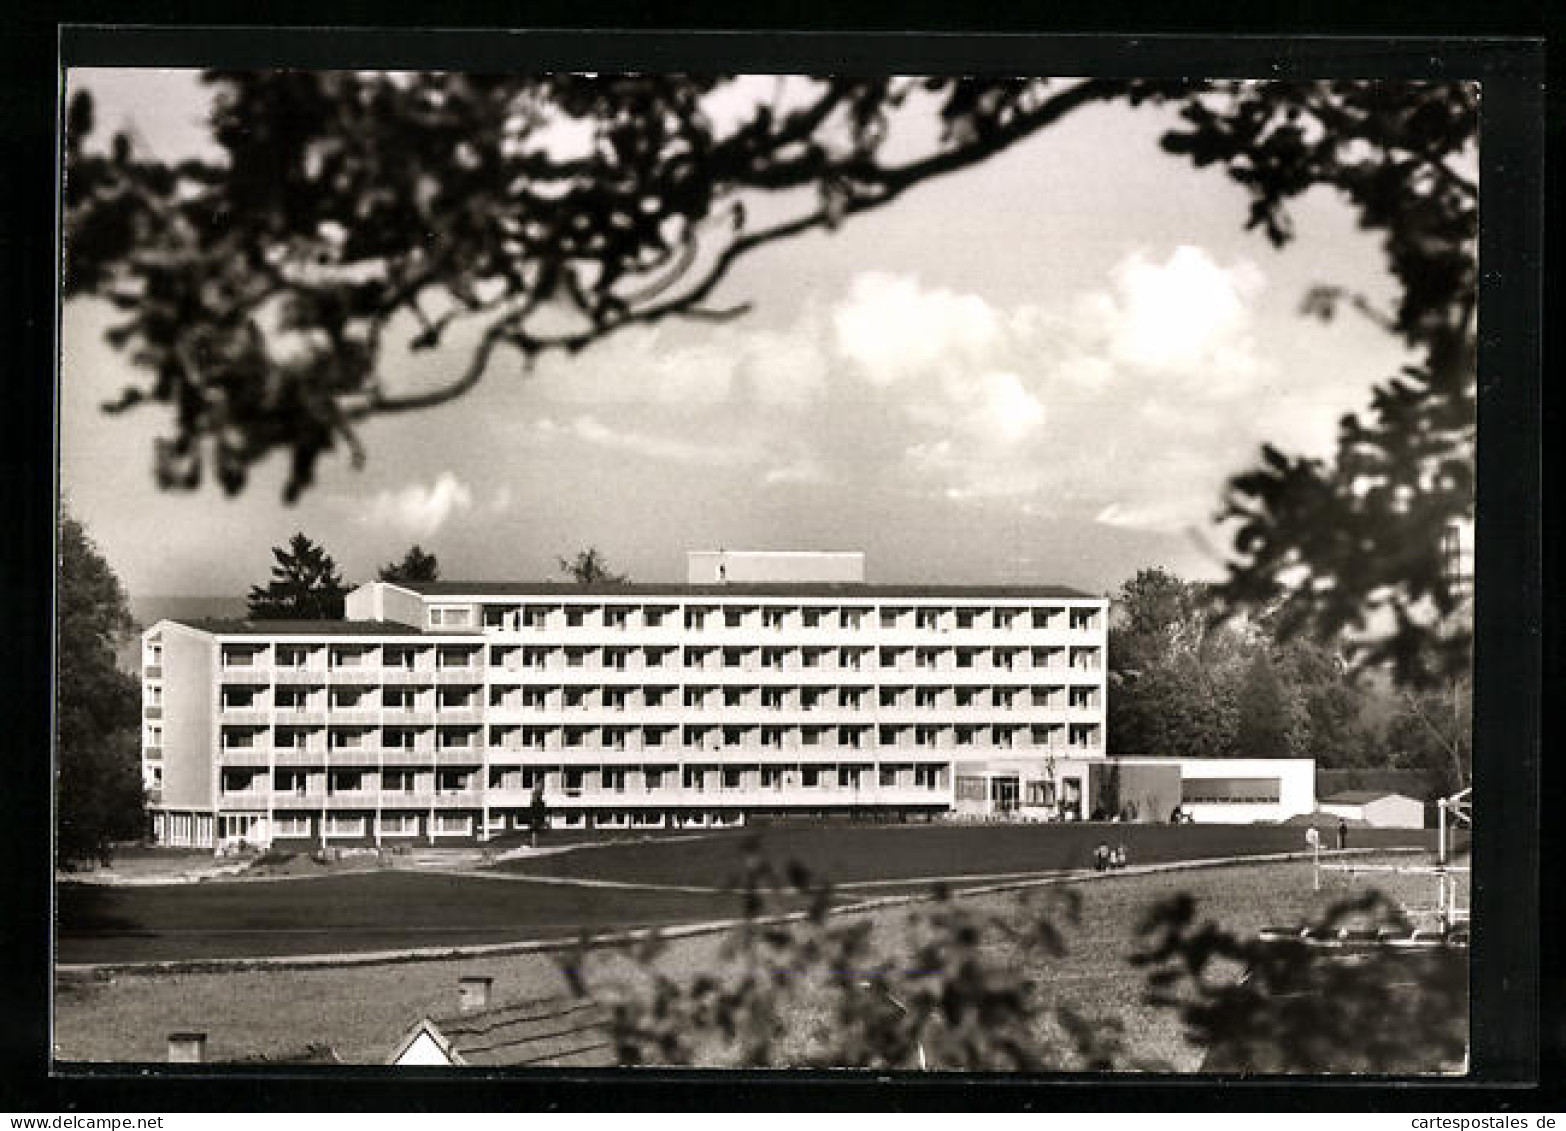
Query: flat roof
{"points": [[835, 589], [218, 627]]}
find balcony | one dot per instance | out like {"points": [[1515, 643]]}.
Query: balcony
{"points": [[458, 715], [152, 671], [354, 756], [472, 674], [404, 677], [357, 674], [246, 673], [245, 756], [355, 716], [294, 676], [458, 756], [152, 712], [245, 716]]}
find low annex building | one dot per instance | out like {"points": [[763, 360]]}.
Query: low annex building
{"points": [[765, 684]]}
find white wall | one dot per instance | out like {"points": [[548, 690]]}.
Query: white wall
{"points": [[713, 567]]}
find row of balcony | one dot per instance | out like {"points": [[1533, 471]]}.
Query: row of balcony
{"points": [[1021, 714], [673, 796], [256, 756]]}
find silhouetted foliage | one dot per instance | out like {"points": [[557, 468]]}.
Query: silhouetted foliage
{"points": [[415, 565], [99, 796], [354, 213], [959, 991], [589, 567], [305, 585], [1283, 1006], [1433, 732]]}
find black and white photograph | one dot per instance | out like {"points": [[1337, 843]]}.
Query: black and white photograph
{"points": [[585, 571]]}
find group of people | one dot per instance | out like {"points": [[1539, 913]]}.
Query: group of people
{"points": [[1106, 859]]}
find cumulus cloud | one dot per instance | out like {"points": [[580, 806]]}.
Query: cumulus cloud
{"points": [[1178, 316], [421, 510], [894, 329]]}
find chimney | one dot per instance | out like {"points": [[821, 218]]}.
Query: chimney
{"points": [[473, 993], [187, 1048]]}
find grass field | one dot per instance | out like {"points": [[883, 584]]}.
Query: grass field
{"points": [[362, 1011], [853, 854], [382, 910]]}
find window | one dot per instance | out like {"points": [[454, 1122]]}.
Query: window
{"points": [[1003, 737], [290, 825], [928, 619], [451, 616], [965, 657], [809, 698], [652, 618], [652, 779], [535, 697], [239, 739], [455, 739], [456, 657], [576, 657], [925, 658], [964, 736], [1084, 697], [772, 698], [533, 738], [1003, 658], [654, 696], [773, 619], [929, 777], [399, 824], [693, 779], [965, 696], [1003, 697], [733, 618], [397, 698], [576, 618], [397, 781], [1230, 791], [810, 736], [733, 696], [772, 737], [849, 736], [654, 736], [695, 618], [733, 657], [534, 657], [924, 736], [970, 788], [733, 736], [810, 618], [614, 698], [614, 780], [771, 777], [695, 696], [614, 618], [888, 618], [398, 738], [850, 658], [887, 778], [571, 781], [849, 697], [810, 777], [453, 781], [1084, 619], [853, 618], [811, 657], [614, 738], [534, 617], [732, 778], [1004, 617], [453, 824], [889, 696], [575, 697], [924, 697], [339, 824], [655, 657], [772, 659], [292, 657], [848, 777], [239, 657], [966, 617], [155, 735]]}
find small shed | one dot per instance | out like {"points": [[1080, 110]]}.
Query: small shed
{"points": [[552, 1032], [1380, 809]]}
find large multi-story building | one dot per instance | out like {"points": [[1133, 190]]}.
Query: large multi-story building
{"points": [[766, 684]]}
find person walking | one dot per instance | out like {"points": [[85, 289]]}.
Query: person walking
{"points": [[1342, 834]]}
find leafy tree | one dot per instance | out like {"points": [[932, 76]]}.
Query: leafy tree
{"points": [[1433, 731], [537, 814], [99, 797], [415, 565], [351, 213], [589, 567], [305, 585], [1264, 724]]}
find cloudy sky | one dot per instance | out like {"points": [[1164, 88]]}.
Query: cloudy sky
{"points": [[1039, 370]]}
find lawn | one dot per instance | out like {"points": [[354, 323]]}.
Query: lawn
{"points": [[361, 1011], [384, 910], [353, 912], [851, 854]]}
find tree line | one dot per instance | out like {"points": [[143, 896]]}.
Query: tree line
{"points": [[1187, 681]]}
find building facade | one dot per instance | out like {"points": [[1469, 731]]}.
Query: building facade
{"points": [[765, 685]]}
